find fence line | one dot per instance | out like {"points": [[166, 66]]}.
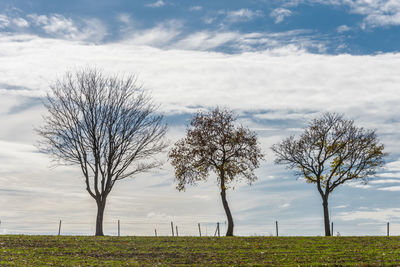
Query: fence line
{"points": [[168, 228]]}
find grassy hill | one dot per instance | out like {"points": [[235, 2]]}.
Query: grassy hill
{"points": [[121, 251]]}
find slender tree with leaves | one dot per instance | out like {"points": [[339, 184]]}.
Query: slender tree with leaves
{"points": [[104, 124], [331, 151], [214, 143]]}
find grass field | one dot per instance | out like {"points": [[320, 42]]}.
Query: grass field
{"points": [[20, 250]]}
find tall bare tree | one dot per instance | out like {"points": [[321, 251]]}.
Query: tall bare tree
{"points": [[104, 124], [330, 152], [214, 144]]}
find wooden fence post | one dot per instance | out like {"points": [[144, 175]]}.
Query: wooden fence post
{"points": [[59, 228], [155, 232], [199, 230], [172, 228], [276, 226], [119, 229], [218, 229], [388, 229], [177, 234], [331, 228]]}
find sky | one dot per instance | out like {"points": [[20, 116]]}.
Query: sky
{"points": [[276, 64]]}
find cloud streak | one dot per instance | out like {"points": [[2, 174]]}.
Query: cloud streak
{"points": [[241, 15], [159, 3], [279, 14]]}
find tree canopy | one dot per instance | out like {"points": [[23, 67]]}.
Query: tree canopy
{"points": [[330, 152], [104, 124], [214, 143]]}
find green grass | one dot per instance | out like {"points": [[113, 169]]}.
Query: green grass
{"points": [[17, 250]]}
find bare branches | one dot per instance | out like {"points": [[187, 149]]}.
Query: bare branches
{"points": [[104, 124], [214, 143], [331, 151]]}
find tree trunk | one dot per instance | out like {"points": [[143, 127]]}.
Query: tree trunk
{"points": [[326, 216], [101, 204], [229, 232]]}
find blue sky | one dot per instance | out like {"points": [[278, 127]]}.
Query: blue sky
{"points": [[332, 26], [277, 64]]}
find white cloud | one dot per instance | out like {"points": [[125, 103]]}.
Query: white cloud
{"points": [[170, 35], [286, 115], [385, 181], [196, 8], [124, 18], [241, 15], [340, 207], [376, 13], [206, 40], [295, 40], [59, 26], [20, 22], [358, 185], [391, 169], [378, 214], [393, 166], [343, 28], [38, 19], [279, 14], [158, 36], [209, 19], [159, 3], [389, 174], [93, 30], [390, 188], [7, 21], [285, 205], [313, 78], [4, 21]]}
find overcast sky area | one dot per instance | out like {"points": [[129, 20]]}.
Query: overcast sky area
{"points": [[277, 64]]}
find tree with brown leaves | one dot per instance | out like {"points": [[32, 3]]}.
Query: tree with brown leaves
{"points": [[330, 152], [213, 143], [104, 124]]}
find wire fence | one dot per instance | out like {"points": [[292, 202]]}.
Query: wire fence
{"points": [[201, 228]]}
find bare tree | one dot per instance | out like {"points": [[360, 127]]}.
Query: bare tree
{"points": [[104, 124], [214, 144], [330, 152]]}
